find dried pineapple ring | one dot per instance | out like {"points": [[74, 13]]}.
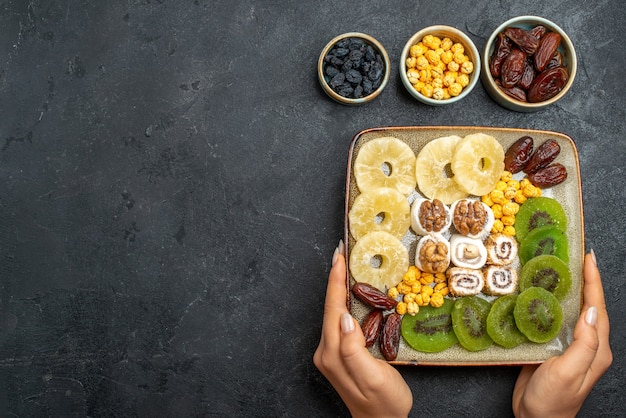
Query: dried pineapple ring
{"points": [[381, 154], [478, 163], [430, 170], [379, 259], [382, 209]]}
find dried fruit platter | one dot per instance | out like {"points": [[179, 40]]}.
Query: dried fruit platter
{"points": [[568, 194]]}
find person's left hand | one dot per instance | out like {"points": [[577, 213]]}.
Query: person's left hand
{"points": [[368, 386]]}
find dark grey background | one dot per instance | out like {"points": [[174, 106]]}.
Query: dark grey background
{"points": [[172, 190]]}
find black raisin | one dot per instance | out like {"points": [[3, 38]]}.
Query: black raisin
{"points": [[331, 71], [343, 43], [355, 43], [337, 62], [354, 76], [356, 55], [345, 90], [337, 80], [358, 92], [355, 68], [367, 86], [375, 72], [341, 52]]}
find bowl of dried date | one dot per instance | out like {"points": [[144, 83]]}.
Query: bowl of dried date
{"points": [[528, 63], [353, 68], [439, 65]]}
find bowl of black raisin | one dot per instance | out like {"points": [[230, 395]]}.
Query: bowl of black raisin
{"points": [[353, 68]]}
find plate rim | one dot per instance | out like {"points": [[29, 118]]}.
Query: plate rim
{"points": [[483, 129]]}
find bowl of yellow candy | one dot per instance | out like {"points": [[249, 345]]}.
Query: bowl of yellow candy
{"points": [[439, 65]]}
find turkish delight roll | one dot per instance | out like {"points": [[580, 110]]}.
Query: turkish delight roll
{"points": [[500, 280], [464, 281]]}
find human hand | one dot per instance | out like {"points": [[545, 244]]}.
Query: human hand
{"points": [[368, 386], [559, 386]]}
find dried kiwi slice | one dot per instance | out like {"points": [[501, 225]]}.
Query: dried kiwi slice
{"points": [[546, 240], [538, 314], [537, 212], [469, 320], [501, 325], [430, 330], [548, 272]]}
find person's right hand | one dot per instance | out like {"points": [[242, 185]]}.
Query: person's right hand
{"points": [[369, 387], [559, 386]]}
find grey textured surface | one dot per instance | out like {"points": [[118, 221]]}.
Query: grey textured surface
{"points": [[172, 185]]}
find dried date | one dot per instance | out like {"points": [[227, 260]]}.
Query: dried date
{"points": [[390, 336], [523, 39], [547, 84], [528, 80], [547, 47], [515, 92], [556, 61], [501, 50], [538, 31], [371, 326], [518, 154], [512, 68], [527, 76], [372, 296], [549, 176], [543, 156]]}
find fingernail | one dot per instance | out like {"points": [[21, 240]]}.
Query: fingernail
{"points": [[593, 257], [339, 250], [591, 317], [347, 323]]}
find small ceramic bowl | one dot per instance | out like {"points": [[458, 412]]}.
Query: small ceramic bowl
{"points": [[456, 36], [566, 49], [346, 82]]}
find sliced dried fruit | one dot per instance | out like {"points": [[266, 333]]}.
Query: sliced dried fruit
{"points": [[432, 170], [430, 330], [538, 314], [548, 272], [385, 162], [537, 212], [382, 209], [379, 259], [546, 240], [477, 163], [469, 320], [501, 325]]}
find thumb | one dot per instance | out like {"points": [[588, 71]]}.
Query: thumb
{"points": [[357, 359], [582, 351]]}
